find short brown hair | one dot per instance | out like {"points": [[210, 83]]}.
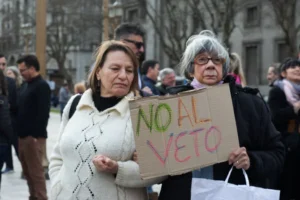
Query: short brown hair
{"points": [[101, 53], [79, 88]]}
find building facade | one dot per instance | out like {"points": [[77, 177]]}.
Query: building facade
{"points": [[77, 21], [257, 37]]}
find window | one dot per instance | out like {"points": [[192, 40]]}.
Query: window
{"points": [[252, 65], [133, 15], [282, 51], [252, 16]]}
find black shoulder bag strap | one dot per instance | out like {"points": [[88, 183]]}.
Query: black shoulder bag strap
{"points": [[74, 105]]}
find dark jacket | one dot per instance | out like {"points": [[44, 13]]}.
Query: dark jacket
{"points": [[284, 117], [287, 122], [34, 108], [12, 96], [162, 89], [151, 84], [256, 133], [5, 122]]}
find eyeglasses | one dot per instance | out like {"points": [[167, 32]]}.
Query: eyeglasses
{"points": [[3, 64], [203, 60], [137, 44]]}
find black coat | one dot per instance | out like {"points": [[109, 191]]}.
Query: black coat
{"points": [[5, 122], [256, 133], [287, 122], [12, 96]]}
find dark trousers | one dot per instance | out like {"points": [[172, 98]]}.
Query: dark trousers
{"points": [[9, 156], [3, 152], [289, 183], [31, 155]]}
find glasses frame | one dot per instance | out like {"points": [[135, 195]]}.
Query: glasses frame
{"points": [[208, 59]]}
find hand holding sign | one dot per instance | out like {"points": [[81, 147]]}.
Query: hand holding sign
{"points": [[105, 164], [239, 158]]}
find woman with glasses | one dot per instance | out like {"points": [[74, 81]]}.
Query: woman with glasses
{"points": [[261, 153]]}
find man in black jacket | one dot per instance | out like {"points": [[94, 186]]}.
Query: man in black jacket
{"points": [[261, 153], [32, 122], [13, 107]]}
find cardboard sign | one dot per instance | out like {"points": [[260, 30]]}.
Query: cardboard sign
{"points": [[180, 133]]}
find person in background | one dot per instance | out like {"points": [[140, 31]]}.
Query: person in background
{"points": [[79, 88], [101, 123], [13, 108], [150, 71], [286, 118], [13, 73], [132, 35], [64, 96], [6, 130], [273, 73], [236, 69], [261, 152], [168, 79], [33, 115]]}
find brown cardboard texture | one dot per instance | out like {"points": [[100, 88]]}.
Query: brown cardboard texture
{"points": [[180, 133]]}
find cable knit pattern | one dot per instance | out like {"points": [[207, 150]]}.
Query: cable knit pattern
{"points": [[87, 134]]}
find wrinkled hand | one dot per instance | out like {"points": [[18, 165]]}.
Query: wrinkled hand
{"points": [[239, 158], [135, 157], [147, 90], [105, 164]]}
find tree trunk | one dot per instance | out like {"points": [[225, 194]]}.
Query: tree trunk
{"points": [[67, 77]]}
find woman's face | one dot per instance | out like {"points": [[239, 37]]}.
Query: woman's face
{"points": [[116, 74], [292, 74], [208, 69], [10, 74]]}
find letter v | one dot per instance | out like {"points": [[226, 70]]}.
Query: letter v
{"points": [[160, 158]]}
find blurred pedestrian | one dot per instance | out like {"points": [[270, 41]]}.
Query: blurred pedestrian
{"points": [[168, 79], [32, 123], [6, 130], [150, 71], [286, 118], [273, 73], [64, 96], [79, 88], [13, 72], [236, 69], [101, 121], [13, 109]]}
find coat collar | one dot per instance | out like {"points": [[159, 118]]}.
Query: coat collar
{"points": [[86, 101]]}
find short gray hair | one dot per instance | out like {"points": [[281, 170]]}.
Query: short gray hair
{"points": [[164, 72], [205, 41]]}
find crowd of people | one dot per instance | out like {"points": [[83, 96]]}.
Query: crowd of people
{"points": [[95, 158]]}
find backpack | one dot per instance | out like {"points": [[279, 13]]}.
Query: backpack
{"points": [[74, 105]]}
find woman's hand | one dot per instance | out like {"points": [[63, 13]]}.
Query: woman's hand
{"points": [[239, 158], [105, 164]]}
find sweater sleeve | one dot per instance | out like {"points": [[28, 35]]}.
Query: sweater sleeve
{"points": [[129, 176], [268, 161], [43, 108], [56, 160]]}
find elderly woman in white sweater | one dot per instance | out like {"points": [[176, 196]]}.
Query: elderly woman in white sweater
{"points": [[93, 156]]}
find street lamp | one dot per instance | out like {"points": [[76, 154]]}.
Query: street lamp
{"points": [[27, 33], [115, 14]]}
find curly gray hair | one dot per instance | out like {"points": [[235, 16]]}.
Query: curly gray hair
{"points": [[205, 41]]}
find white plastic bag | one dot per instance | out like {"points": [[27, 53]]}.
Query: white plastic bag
{"points": [[204, 189]]}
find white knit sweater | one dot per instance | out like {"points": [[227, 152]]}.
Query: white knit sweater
{"points": [[89, 133]]}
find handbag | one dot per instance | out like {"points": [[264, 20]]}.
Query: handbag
{"points": [[205, 189]]}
